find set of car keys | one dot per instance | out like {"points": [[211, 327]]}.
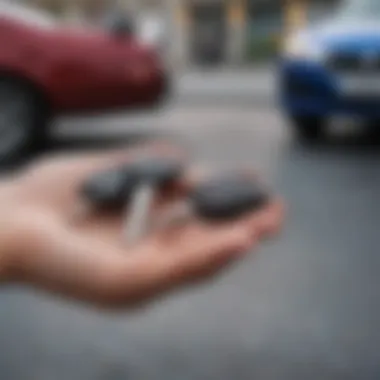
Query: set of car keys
{"points": [[134, 186]]}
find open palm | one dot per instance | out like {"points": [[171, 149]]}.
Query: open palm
{"points": [[87, 260]]}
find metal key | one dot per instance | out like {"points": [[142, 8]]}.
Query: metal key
{"points": [[228, 198], [151, 175]]}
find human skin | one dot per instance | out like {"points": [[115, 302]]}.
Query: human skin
{"points": [[43, 246]]}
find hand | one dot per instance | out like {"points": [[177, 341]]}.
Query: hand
{"points": [[42, 245]]}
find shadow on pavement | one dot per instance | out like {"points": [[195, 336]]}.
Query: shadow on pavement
{"points": [[364, 142]]}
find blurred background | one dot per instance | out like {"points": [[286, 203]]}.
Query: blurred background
{"points": [[241, 31], [246, 88]]}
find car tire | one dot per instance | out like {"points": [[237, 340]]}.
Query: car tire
{"points": [[308, 128], [374, 129], [23, 121]]}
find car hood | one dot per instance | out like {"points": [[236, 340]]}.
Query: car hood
{"points": [[348, 35], [80, 35]]}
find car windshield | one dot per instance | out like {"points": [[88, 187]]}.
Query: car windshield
{"points": [[360, 9], [28, 15]]}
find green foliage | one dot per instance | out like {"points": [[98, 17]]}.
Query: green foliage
{"points": [[263, 48]]}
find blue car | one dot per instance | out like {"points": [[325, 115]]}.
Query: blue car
{"points": [[333, 68]]}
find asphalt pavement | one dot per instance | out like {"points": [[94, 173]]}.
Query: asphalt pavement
{"points": [[306, 306], [244, 85]]}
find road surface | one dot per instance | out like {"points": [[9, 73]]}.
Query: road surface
{"points": [[304, 307]]}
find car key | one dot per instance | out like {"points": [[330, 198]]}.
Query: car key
{"points": [[151, 175], [227, 198], [222, 198], [110, 188], [107, 190]]}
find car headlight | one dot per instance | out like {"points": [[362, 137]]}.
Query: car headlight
{"points": [[301, 46]]}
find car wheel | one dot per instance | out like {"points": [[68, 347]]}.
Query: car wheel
{"points": [[22, 122], [374, 128], [309, 128]]}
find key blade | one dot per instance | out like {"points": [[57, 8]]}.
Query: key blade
{"points": [[137, 216]]}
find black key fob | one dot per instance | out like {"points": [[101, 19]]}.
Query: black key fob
{"points": [[109, 189], [228, 198]]}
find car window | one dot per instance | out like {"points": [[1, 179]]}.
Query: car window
{"points": [[28, 15], [355, 9]]}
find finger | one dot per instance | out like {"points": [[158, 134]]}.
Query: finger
{"points": [[199, 250], [269, 220], [194, 254]]}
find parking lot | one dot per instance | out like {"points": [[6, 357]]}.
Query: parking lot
{"points": [[306, 306]]}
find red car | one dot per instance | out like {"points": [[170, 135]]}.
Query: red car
{"points": [[47, 68]]}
